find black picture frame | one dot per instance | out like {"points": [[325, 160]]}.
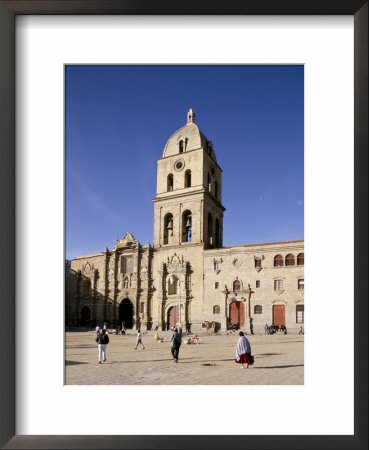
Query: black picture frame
{"points": [[8, 11]]}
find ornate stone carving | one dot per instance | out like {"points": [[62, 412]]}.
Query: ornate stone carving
{"points": [[144, 273], [127, 240], [175, 262], [237, 263], [278, 300], [88, 269]]}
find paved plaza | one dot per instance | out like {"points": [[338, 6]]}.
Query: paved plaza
{"points": [[279, 360]]}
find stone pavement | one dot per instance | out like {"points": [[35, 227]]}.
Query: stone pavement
{"points": [[279, 360]]}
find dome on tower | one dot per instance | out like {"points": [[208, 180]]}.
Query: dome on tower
{"points": [[188, 138]]}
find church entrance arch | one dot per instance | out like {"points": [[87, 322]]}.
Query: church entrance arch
{"points": [[173, 316], [237, 314], [85, 316], [126, 313]]}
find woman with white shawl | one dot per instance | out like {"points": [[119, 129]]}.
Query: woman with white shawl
{"points": [[243, 351]]}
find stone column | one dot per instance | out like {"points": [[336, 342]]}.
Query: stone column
{"points": [[248, 318], [224, 320], [106, 281], [78, 282], [116, 291]]}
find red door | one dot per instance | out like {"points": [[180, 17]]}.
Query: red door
{"points": [[279, 315], [237, 313], [173, 316]]}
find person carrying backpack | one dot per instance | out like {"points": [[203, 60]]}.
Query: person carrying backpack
{"points": [[175, 342], [103, 340]]}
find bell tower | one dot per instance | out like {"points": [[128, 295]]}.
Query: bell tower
{"points": [[187, 206]]}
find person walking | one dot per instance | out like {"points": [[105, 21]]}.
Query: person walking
{"points": [[139, 340], [266, 329], [243, 351], [103, 340], [175, 342]]}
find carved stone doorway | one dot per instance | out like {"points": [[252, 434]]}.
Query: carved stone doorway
{"points": [[173, 316], [126, 313], [279, 316], [237, 314]]}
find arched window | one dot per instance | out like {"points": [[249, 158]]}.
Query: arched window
{"points": [[209, 182], [257, 263], [216, 189], [290, 260], [168, 228], [278, 260], [216, 309], [258, 309], [217, 233], [172, 285], [236, 286], [180, 146], [300, 259], [170, 182], [186, 226], [210, 229], [300, 284], [188, 178]]}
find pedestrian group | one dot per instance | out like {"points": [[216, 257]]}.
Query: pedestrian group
{"points": [[243, 349]]}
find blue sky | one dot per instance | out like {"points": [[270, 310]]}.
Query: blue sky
{"points": [[118, 119]]}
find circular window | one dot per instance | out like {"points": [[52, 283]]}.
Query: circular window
{"points": [[237, 263], [179, 164]]}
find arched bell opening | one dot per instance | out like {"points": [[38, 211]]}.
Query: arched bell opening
{"points": [[187, 226], [187, 179], [210, 230], [168, 228]]}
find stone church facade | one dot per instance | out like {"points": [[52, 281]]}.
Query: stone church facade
{"points": [[187, 276]]}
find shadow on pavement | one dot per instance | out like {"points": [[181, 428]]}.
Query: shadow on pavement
{"points": [[73, 363], [80, 346], [181, 360], [280, 367]]}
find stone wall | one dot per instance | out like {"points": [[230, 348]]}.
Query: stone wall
{"points": [[238, 263]]}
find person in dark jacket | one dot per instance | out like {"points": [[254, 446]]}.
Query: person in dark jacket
{"points": [[102, 340], [175, 342]]}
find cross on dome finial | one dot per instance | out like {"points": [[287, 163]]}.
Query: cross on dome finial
{"points": [[191, 116]]}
